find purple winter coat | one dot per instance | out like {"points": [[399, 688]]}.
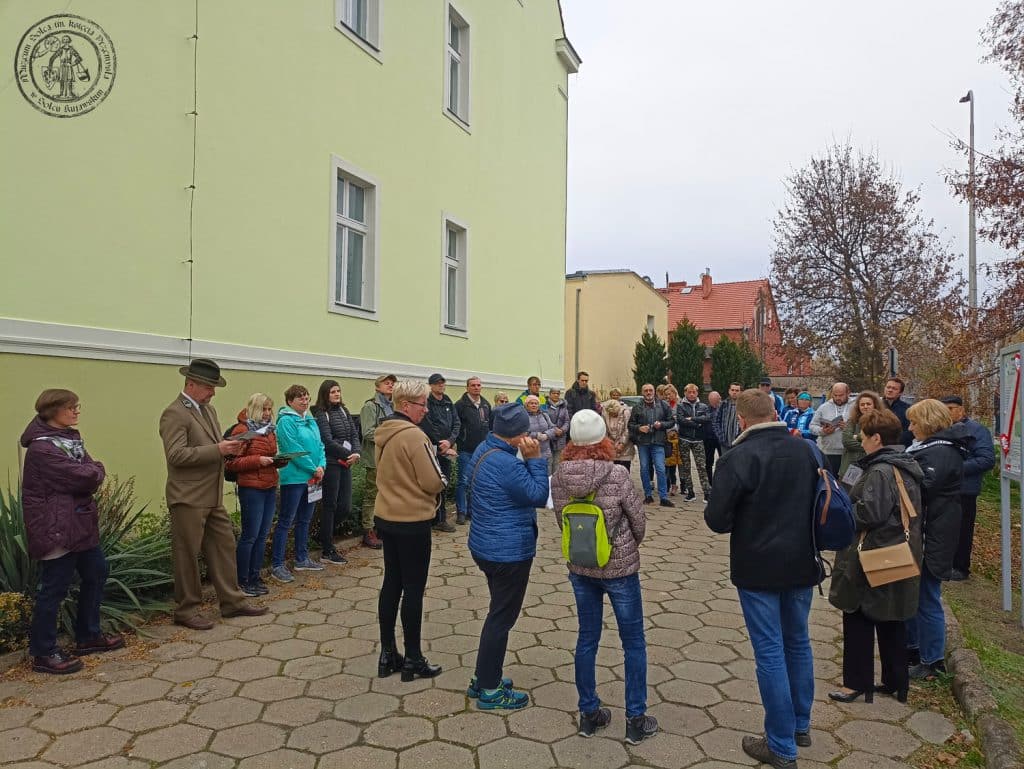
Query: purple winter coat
{"points": [[57, 485], [617, 497]]}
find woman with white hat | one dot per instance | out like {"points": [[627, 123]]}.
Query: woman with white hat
{"points": [[588, 473]]}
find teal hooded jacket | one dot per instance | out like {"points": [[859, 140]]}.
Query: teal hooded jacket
{"points": [[299, 432]]}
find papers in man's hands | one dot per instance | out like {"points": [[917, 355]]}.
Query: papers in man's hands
{"points": [[290, 454], [248, 435]]}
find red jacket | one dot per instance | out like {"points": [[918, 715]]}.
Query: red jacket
{"points": [[250, 473]]}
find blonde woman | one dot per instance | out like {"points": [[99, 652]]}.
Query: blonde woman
{"points": [[256, 475]]}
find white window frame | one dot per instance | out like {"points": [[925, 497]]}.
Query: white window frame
{"points": [[370, 229], [344, 23], [461, 265], [461, 116]]}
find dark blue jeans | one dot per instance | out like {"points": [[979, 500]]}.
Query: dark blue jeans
{"points": [[55, 578], [258, 507], [649, 455], [777, 624], [296, 508], [624, 594], [926, 630], [460, 490]]}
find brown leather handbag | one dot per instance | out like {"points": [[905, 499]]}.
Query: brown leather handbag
{"points": [[884, 565]]}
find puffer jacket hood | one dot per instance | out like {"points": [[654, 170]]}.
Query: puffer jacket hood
{"points": [[37, 428], [299, 432], [895, 456]]}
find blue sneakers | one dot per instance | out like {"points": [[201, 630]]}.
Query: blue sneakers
{"points": [[473, 691], [502, 699]]}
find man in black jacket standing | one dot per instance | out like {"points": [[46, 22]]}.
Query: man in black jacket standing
{"points": [[441, 424], [474, 413], [580, 396], [763, 497], [649, 423], [892, 397]]}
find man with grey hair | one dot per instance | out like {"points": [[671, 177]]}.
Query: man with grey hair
{"points": [[828, 423]]}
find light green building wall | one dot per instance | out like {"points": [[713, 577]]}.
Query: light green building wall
{"points": [[99, 292]]}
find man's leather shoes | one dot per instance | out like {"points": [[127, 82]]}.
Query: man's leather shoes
{"points": [[195, 622], [59, 663], [247, 611], [102, 643]]}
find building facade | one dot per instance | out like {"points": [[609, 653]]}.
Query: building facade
{"points": [[606, 313], [319, 188]]}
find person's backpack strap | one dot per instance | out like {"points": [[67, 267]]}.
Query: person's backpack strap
{"points": [[472, 480]]}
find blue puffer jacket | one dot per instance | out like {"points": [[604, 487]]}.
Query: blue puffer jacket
{"points": [[801, 421], [505, 496]]}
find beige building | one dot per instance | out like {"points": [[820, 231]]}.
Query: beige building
{"points": [[606, 312]]}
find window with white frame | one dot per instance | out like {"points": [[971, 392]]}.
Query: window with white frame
{"points": [[454, 277], [360, 20], [650, 324], [354, 254], [457, 66]]}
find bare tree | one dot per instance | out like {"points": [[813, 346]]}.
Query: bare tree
{"points": [[856, 266]]}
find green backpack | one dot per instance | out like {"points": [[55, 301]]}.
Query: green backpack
{"points": [[585, 538]]}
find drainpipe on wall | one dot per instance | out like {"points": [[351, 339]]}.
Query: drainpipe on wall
{"points": [[576, 352]]}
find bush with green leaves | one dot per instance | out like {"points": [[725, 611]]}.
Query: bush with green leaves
{"points": [[140, 562]]}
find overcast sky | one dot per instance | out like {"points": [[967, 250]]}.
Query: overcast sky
{"points": [[686, 117]]}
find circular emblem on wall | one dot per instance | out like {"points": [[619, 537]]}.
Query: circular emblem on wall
{"points": [[65, 65]]}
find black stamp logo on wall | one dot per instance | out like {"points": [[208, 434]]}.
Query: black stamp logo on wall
{"points": [[65, 65]]}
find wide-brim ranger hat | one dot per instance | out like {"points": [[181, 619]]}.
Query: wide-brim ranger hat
{"points": [[203, 370]]}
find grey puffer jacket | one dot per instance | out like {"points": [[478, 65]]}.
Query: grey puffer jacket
{"points": [[617, 497]]}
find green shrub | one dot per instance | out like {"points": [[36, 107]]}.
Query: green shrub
{"points": [[15, 615], [139, 558]]}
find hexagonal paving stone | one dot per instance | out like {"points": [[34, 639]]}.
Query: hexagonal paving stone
{"points": [[265, 634], [87, 745], [433, 703], [298, 711], [436, 755], [878, 738], [71, 718], [279, 759], [681, 719], [248, 740], [542, 724], [230, 650], [559, 696], [515, 753], [17, 715], [19, 744], [133, 692], [345, 648], [71, 690], [363, 757], [202, 760], [725, 745], [323, 736], [702, 672], [338, 687], [272, 689], [742, 716], [250, 669], [186, 670], [310, 668], [593, 753], [206, 690], [172, 742], [931, 727], [113, 762], [149, 715], [473, 729], [291, 649], [225, 713], [824, 748], [669, 751], [398, 732], [869, 761], [689, 692]]}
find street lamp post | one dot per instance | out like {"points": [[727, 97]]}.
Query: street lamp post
{"points": [[972, 261]]}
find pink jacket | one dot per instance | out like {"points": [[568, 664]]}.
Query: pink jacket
{"points": [[617, 497]]}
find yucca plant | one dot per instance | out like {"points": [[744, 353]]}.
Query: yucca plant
{"points": [[140, 568]]}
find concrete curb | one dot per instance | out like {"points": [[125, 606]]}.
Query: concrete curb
{"points": [[998, 740]]}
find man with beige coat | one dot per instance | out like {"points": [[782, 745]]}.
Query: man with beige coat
{"points": [[195, 455]]}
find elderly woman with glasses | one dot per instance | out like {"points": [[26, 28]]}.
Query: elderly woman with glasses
{"points": [[409, 480]]}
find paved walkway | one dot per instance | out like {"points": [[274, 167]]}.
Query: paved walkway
{"points": [[297, 688]]}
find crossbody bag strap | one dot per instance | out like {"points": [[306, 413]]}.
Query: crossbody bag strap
{"points": [[907, 510], [476, 469]]}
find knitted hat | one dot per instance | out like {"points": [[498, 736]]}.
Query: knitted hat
{"points": [[510, 420], [587, 428], [804, 396]]}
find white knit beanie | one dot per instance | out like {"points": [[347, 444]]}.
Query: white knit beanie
{"points": [[587, 428]]}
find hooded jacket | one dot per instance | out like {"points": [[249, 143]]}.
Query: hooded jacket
{"points": [[801, 422], [251, 473], [299, 432], [57, 485], [540, 424], [941, 457], [876, 510], [408, 475], [616, 495], [763, 497], [558, 413], [504, 496], [980, 460]]}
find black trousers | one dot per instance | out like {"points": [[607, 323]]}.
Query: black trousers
{"points": [[962, 559], [442, 499], [710, 449], [834, 461], [406, 562], [506, 582], [336, 505], [859, 652]]}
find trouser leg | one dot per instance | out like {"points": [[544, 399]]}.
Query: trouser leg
{"points": [[506, 583], [92, 571], [187, 526], [415, 555], [892, 651], [390, 590], [369, 497], [329, 506], [969, 508], [218, 549], [55, 577], [858, 651]]}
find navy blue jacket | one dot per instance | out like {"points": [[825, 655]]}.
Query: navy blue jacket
{"points": [[980, 459], [899, 408], [505, 495]]}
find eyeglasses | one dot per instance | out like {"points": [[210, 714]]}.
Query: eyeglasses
{"points": [[421, 404], [74, 409]]}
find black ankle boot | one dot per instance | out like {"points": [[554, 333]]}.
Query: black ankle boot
{"points": [[390, 662], [420, 667]]}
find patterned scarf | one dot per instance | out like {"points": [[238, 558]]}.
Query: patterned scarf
{"points": [[263, 428], [70, 446]]}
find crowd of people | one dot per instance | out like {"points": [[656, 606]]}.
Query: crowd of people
{"points": [[913, 475]]}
